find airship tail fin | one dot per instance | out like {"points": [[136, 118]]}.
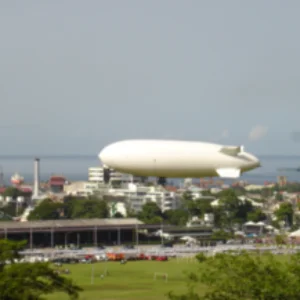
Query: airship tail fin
{"points": [[229, 173], [233, 151]]}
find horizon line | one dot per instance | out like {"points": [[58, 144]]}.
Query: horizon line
{"points": [[65, 155]]}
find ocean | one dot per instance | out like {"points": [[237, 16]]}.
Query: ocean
{"points": [[75, 167]]}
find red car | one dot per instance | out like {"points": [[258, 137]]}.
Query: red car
{"points": [[161, 258]]}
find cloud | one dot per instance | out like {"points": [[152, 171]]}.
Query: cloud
{"points": [[258, 132], [225, 134]]}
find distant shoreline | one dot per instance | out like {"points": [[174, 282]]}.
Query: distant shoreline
{"points": [[60, 156], [256, 179], [75, 167], [89, 156]]}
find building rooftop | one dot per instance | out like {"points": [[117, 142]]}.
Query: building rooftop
{"points": [[171, 188], [71, 223], [24, 189]]}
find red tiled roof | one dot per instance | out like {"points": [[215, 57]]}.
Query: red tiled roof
{"points": [[57, 178], [57, 182], [171, 188], [23, 189], [26, 189]]}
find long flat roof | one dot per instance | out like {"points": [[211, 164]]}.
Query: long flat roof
{"points": [[78, 223]]}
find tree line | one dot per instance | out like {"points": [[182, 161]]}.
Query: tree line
{"points": [[70, 208], [230, 211]]}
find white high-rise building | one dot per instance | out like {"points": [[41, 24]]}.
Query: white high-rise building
{"points": [[96, 174]]}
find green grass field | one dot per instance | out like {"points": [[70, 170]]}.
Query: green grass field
{"points": [[132, 281]]}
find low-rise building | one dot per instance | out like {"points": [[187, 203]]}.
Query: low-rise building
{"points": [[164, 199], [136, 196], [130, 195], [117, 207], [81, 188], [56, 183], [243, 199], [256, 187], [75, 188], [259, 228]]}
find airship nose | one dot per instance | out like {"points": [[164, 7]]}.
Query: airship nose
{"points": [[105, 156], [110, 155]]}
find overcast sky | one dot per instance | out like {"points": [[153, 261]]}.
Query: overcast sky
{"points": [[77, 75]]}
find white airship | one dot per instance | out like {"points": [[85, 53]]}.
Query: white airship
{"points": [[177, 159]]}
